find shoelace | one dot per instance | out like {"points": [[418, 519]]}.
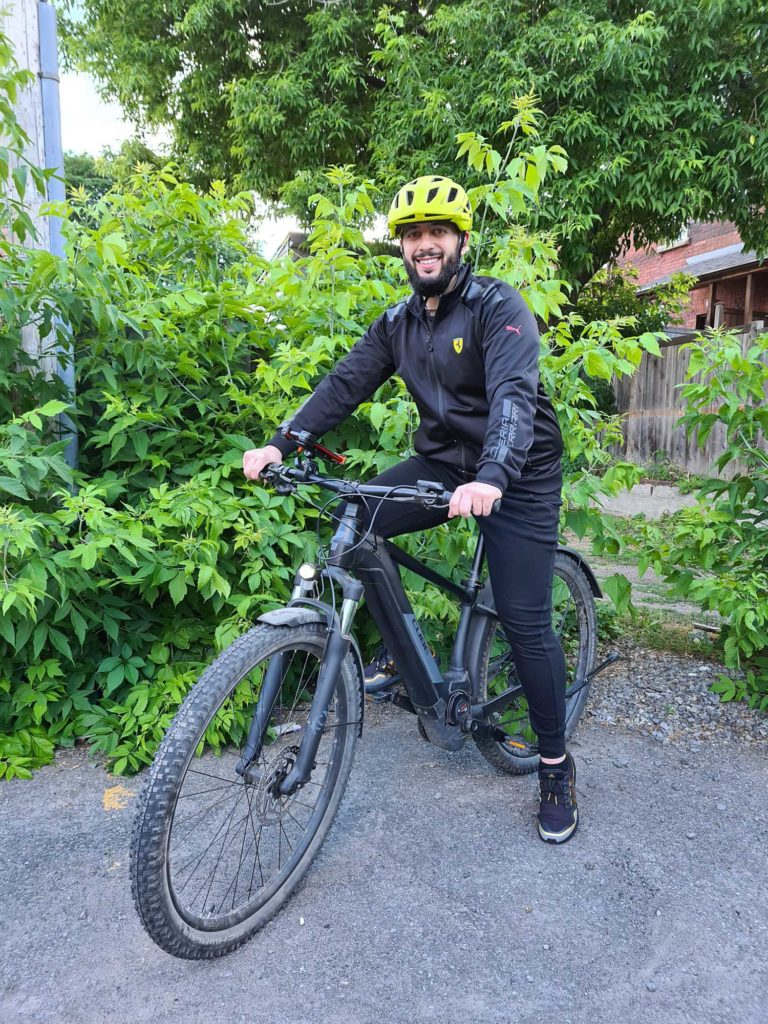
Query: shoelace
{"points": [[553, 786]]}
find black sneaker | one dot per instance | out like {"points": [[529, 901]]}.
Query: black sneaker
{"points": [[379, 672], [558, 814]]}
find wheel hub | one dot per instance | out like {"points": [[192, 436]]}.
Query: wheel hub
{"points": [[269, 804]]}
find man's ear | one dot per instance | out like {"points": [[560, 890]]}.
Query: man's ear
{"points": [[464, 242]]}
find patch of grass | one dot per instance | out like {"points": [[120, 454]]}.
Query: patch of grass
{"points": [[657, 632], [659, 469]]}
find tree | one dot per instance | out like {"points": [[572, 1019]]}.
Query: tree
{"points": [[662, 107], [96, 175]]}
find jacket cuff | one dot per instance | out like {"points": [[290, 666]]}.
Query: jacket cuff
{"points": [[283, 445], [495, 474]]}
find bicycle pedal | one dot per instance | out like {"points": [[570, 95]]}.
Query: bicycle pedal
{"points": [[383, 696], [385, 686]]}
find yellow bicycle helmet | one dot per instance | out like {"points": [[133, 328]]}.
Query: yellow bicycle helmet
{"points": [[430, 198]]}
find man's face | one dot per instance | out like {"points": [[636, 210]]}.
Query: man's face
{"points": [[432, 255]]}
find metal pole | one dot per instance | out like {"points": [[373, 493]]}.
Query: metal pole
{"points": [[54, 158]]}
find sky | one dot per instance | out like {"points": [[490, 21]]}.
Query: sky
{"points": [[89, 125]]}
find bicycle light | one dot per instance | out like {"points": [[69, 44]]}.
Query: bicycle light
{"points": [[307, 571]]}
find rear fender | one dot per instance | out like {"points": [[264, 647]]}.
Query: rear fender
{"points": [[584, 565]]}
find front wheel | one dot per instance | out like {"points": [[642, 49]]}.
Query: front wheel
{"points": [[215, 854], [492, 669]]}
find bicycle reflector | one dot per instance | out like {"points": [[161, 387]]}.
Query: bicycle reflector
{"points": [[307, 442]]}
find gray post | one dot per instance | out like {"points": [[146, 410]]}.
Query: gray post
{"points": [[54, 157]]}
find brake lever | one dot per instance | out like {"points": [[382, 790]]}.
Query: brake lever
{"points": [[443, 497], [273, 476]]}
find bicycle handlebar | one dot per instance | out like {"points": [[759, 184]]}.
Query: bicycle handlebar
{"points": [[425, 492]]}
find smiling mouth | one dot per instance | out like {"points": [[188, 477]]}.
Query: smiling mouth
{"points": [[428, 262]]}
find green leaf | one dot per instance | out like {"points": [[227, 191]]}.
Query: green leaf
{"points": [[378, 412], [114, 680], [14, 487], [60, 642], [7, 630], [618, 588], [178, 588], [53, 408], [19, 175], [596, 365]]}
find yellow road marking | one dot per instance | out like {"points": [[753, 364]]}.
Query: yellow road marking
{"points": [[116, 798]]}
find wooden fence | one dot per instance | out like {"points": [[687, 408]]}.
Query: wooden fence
{"points": [[651, 404]]}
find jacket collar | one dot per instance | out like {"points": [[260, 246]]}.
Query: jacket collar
{"points": [[448, 300]]}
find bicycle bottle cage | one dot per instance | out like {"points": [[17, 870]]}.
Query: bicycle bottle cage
{"points": [[307, 442]]}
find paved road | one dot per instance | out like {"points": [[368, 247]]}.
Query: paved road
{"points": [[432, 901]]}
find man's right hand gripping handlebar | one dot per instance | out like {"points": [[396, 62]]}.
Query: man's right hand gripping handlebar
{"points": [[256, 460]]}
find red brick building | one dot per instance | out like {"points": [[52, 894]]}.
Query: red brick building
{"points": [[732, 286]]}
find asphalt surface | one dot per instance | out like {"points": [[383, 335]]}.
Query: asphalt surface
{"points": [[432, 899]]}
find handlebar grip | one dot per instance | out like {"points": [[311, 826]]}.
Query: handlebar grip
{"points": [[445, 498]]}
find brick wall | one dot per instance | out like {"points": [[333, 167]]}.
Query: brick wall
{"points": [[651, 264], [732, 293]]}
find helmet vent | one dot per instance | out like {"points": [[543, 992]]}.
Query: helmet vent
{"points": [[452, 194], [409, 196], [432, 194]]}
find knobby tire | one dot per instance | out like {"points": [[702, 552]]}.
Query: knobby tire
{"points": [[215, 856], [491, 670]]}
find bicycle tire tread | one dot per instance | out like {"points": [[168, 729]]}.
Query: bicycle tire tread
{"points": [[157, 800]]}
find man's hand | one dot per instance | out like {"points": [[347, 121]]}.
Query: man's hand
{"points": [[256, 459], [473, 499]]}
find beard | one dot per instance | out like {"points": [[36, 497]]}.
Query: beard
{"points": [[435, 285]]}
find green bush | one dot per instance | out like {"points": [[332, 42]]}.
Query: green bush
{"points": [[122, 579], [716, 553]]}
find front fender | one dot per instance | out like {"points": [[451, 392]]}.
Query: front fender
{"points": [[298, 615], [294, 615]]}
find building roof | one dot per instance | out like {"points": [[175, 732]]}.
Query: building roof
{"points": [[709, 264]]}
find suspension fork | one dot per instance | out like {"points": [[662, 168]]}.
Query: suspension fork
{"points": [[270, 688], [336, 650]]}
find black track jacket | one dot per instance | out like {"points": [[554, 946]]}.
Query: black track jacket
{"points": [[472, 370]]}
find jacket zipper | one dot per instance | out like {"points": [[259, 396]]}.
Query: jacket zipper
{"points": [[438, 389], [433, 370]]}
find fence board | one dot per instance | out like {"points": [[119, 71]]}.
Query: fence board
{"points": [[650, 404]]}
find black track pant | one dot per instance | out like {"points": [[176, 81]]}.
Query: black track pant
{"points": [[520, 541]]}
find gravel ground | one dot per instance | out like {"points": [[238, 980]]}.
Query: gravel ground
{"points": [[666, 696], [431, 901]]}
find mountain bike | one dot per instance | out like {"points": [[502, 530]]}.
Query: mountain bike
{"points": [[251, 772]]}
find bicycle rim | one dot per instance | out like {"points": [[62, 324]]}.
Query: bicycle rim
{"points": [[574, 623], [232, 847]]}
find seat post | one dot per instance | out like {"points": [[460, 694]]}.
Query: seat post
{"points": [[473, 580], [456, 676]]}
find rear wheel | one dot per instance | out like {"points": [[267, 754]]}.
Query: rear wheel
{"points": [[492, 671], [215, 854]]}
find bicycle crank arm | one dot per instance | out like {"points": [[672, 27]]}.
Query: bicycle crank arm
{"points": [[335, 653], [461, 712]]}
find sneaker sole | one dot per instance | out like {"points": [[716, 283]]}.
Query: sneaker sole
{"points": [[559, 837]]}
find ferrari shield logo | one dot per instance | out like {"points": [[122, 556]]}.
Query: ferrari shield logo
{"points": [[458, 345]]}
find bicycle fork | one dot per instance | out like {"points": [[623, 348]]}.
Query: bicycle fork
{"points": [[336, 649]]}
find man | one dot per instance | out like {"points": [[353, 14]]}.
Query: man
{"points": [[467, 349]]}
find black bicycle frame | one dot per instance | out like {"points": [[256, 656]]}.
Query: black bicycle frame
{"points": [[431, 693], [375, 561]]}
